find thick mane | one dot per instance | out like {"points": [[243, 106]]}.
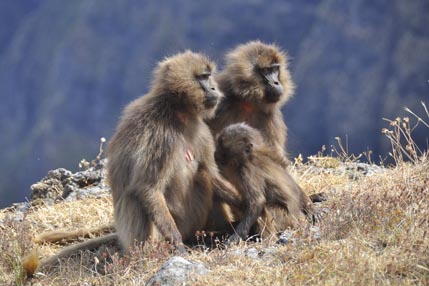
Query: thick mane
{"points": [[239, 78]]}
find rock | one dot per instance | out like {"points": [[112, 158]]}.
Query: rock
{"points": [[354, 170], [176, 271], [70, 188], [97, 191], [87, 178], [48, 189], [315, 232], [239, 252], [285, 237], [252, 253], [62, 184], [60, 174]]}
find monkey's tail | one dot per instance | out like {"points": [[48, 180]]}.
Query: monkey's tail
{"points": [[64, 237], [46, 263]]}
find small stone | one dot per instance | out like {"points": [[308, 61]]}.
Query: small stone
{"points": [[315, 232], [252, 253], [176, 271], [285, 237]]}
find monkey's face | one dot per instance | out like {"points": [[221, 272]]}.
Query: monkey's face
{"points": [[187, 81], [211, 93], [259, 73], [273, 88], [234, 145]]}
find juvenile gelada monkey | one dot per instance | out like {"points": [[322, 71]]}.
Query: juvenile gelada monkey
{"points": [[258, 173]]}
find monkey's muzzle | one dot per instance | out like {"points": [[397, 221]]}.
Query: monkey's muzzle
{"points": [[210, 100]]}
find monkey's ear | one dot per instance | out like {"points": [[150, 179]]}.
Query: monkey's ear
{"points": [[249, 148]]}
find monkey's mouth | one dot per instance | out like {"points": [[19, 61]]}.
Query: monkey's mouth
{"points": [[210, 102], [273, 93]]}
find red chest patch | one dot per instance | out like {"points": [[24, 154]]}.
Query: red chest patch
{"points": [[189, 156], [247, 107], [182, 117]]}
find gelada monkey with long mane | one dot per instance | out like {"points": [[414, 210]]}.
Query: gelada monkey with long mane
{"points": [[164, 179], [161, 165], [256, 83]]}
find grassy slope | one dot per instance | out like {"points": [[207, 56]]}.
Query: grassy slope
{"points": [[375, 233]]}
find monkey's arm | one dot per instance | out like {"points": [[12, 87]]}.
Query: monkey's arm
{"points": [[226, 192], [150, 182], [158, 211], [254, 198]]}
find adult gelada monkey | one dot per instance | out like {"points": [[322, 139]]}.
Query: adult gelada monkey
{"points": [[258, 173], [256, 83], [161, 165]]}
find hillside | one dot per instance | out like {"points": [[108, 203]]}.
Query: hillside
{"points": [[373, 230]]}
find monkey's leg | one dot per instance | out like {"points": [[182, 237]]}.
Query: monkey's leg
{"points": [[132, 223]]}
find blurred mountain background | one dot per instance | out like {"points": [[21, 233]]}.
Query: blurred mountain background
{"points": [[67, 68]]}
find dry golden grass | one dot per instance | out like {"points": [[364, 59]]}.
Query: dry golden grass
{"points": [[375, 233]]}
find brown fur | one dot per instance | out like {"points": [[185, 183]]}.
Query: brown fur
{"points": [[258, 174], [243, 88], [62, 237], [161, 166]]}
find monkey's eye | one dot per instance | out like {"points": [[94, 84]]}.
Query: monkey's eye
{"points": [[248, 149], [204, 76], [270, 70]]}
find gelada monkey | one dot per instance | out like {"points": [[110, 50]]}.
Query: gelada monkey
{"points": [[258, 173], [161, 168], [256, 83]]}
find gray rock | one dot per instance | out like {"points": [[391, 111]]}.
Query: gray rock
{"points": [[48, 189], [60, 174], [87, 178], [285, 237], [62, 184], [239, 252], [315, 232], [97, 191], [177, 271], [252, 253]]}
